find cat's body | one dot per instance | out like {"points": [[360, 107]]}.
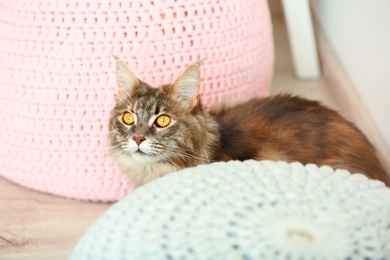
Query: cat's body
{"points": [[291, 129], [158, 131]]}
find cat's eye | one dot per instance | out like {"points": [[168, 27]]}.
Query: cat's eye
{"points": [[163, 121], [128, 118]]}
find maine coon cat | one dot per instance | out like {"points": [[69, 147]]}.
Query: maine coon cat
{"points": [[157, 131]]}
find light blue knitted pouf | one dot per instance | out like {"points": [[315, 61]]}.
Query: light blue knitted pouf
{"points": [[246, 210]]}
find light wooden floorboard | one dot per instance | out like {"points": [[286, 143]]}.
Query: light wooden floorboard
{"points": [[34, 225]]}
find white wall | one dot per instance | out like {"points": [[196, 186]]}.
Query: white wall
{"points": [[359, 32]]}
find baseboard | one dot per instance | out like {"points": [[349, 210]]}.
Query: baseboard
{"points": [[347, 98]]}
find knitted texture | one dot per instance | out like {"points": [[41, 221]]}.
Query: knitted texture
{"points": [[58, 83], [246, 210]]}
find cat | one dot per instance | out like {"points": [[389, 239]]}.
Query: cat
{"points": [[156, 131]]}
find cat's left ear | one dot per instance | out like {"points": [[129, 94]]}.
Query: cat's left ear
{"points": [[187, 85]]}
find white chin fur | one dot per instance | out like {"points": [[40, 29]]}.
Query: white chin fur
{"points": [[141, 170], [144, 158]]}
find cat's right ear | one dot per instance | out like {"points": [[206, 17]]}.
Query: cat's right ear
{"points": [[127, 81]]}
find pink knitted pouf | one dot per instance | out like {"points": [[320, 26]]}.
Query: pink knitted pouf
{"points": [[58, 82]]}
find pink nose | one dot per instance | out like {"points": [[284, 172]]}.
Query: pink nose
{"points": [[138, 139]]}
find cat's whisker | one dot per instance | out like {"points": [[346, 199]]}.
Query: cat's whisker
{"points": [[115, 153], [188, 151], [119, 144], [157, 147], [115, 147], [166, 160], [186, 155], [119, 149], [157, 150], [119, 157]]}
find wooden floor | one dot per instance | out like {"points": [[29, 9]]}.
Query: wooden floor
{"points": [[34, 225]]}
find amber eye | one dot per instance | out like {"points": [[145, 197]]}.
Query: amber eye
{"points": [[163, 121], [128, 118]]}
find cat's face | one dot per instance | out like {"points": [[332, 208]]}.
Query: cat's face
{"points": [[149, 126]]}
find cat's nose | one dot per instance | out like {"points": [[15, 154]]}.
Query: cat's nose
{"points": [[139, 139]]}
